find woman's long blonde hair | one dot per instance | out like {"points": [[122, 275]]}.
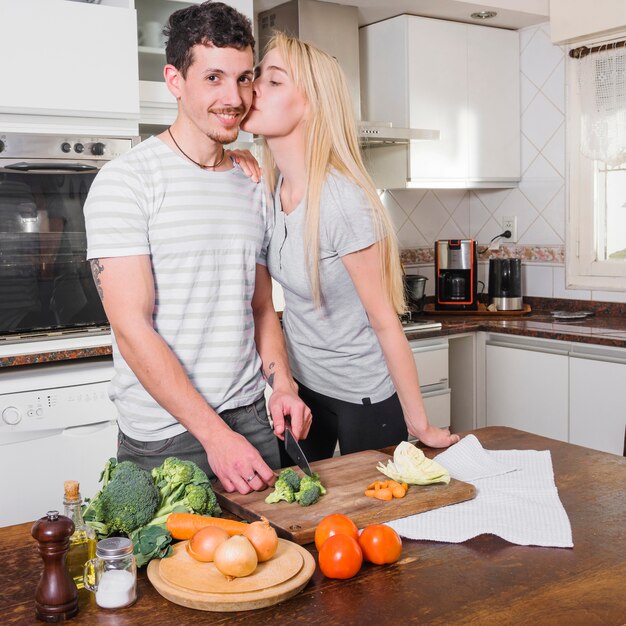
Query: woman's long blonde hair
{"points": [[332, 142]]}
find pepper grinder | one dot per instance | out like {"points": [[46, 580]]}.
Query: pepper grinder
{"points": [[56, 598]]}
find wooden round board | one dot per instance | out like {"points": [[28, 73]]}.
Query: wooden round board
{"points": [[182, 570], [261, 591]]}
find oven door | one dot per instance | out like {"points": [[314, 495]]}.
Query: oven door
{"points": [[45, 280]]}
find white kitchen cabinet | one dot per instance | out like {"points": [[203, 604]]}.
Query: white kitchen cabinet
{"points": [[565, 390], [67, 60], [597, 398], [527, 386], [431, 360], [460, 79]]}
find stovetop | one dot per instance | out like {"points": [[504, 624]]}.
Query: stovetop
{"points": [[412, 323]]}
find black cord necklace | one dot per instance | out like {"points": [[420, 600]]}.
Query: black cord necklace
{"points": [[204, 167]]}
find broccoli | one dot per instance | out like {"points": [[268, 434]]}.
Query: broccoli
{"points": [[311, 489], [309, 495], [314, 479], [188, 499], [291, 478], [291, 488], [174, 473], [136, 502], [128, 499], [282, 491]]}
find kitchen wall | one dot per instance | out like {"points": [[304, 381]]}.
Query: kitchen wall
{"points": [[423, 216]]}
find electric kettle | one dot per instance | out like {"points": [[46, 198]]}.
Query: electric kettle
{"points": [[505, 284]]}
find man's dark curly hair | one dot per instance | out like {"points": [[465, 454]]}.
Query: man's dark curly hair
{"points": [[210, 22]]}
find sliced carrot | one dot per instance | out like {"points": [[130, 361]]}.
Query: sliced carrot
{"points": [[398, 492], [184, 525], [371, 493], [383, 494], [391, 484]]}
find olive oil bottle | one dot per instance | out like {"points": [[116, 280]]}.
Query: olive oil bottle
{"points": [[83, 540]]}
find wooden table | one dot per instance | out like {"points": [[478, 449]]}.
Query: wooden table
{"points": [[483, 581]]}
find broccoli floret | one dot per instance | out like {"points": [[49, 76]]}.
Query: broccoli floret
{"points": [[282, 491], [314, 479], [184, 488], [291, 478], [311, 489], [309, 495], [173, 473], [192, 499], [129, 500]]}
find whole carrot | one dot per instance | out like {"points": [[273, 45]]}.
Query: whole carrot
{"points": [[184, 525]]}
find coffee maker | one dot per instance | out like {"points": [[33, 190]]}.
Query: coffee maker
{"points": [[456, 264]]}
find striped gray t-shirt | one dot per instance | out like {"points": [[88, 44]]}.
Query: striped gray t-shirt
{"points": [[204, 232]]}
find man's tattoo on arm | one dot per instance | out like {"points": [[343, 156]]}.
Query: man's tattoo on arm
{"points": [[97, 269], [269, 375]]}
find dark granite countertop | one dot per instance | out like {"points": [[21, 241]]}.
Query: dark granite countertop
{"points": [[606, 327]]}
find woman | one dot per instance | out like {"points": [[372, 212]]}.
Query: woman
{"points": [[334, 253]]}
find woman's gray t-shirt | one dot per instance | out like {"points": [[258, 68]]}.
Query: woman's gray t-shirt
{"points": [[332, 350]]}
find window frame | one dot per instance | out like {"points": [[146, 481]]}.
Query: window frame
{"points": [[583, 270]]}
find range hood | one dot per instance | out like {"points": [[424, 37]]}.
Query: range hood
{"points": [[335, 29]]}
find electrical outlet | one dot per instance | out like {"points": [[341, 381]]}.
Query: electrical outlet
{"points": [[509, 222]]}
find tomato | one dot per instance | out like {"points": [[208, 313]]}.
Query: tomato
{"points": [[340, 557], [335, 524], [380, 544]]}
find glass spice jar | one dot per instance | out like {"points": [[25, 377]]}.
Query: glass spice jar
{"points": [[112, 575]]}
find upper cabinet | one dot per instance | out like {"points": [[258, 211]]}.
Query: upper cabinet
{"points": [[572, 21], [458, 78], [69, 63]]}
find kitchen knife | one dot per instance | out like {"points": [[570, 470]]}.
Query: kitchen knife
{"points": [[294, 450]]}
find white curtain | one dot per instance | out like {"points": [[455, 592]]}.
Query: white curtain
{"points": [[602, 79]]}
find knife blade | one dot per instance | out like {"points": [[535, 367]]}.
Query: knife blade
{"points": [[294, 450]]}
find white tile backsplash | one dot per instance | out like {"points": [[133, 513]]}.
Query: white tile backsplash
{"points": [[537, 281]]}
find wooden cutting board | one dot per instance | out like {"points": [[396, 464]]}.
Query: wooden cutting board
{"points": [[185, 581], [345, 478]]}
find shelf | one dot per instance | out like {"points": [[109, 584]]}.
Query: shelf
{"points": [[151, 51]]}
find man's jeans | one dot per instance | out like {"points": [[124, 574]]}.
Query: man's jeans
{"points": [[249, 421]]}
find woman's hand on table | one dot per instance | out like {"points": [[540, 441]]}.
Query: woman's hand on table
{"points": [[434, 437]]}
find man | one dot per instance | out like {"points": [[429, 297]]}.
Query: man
{"points": [[177, 240]]}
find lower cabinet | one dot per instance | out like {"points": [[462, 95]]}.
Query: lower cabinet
{"points": [[431, 360], [563, 390], [527, 389], [597, 400]]}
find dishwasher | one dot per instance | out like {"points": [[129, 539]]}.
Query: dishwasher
{"points": [[57, 423]]}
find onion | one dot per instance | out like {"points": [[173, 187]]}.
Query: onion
{"points": [[236, 557], [205, 541], [263, 538]]}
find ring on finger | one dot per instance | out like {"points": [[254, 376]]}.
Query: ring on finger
{"points": [[251, 478]]}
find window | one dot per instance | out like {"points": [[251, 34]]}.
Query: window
{"points": [[596, 221]]}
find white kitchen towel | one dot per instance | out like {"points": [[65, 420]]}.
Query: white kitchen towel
{"points": [[521, 506], [469, 461]]}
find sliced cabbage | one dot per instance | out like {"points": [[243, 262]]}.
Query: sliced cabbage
{"points": [[411, 466]]}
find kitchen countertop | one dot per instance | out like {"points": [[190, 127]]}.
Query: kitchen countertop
{"points": [[607, 327], [482, 581]]}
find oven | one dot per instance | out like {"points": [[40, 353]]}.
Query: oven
{"points": [[45, 281], [56, 419]]}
